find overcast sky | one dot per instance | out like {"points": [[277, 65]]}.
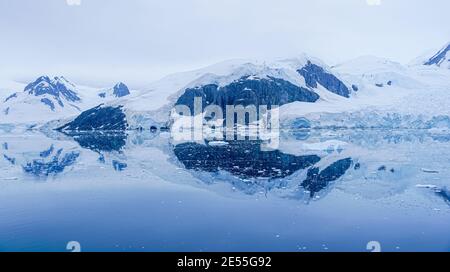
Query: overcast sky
{"points": [[137, 41]]}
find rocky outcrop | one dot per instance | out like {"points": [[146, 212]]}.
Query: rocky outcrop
{"points": [[120, 90], [269, 91], [315, 74], [440, 57], [98, 118]]}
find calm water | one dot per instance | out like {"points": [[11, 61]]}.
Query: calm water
{"points": [[319, 191]]}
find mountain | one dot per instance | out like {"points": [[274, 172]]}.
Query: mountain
{"points": [[57, 88], [119, 90], [441, 58], [240, 82], [367, 92], [390, 95], [53, 98], [44, 99]]}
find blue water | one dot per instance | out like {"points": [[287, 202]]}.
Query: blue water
{"points": [[318, 191]]}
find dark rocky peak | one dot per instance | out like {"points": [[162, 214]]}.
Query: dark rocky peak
{"points": [[59, 87]]}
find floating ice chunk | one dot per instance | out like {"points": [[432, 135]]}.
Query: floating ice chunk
{"points": [[426, 186], [11, 178], [429, 171], [217, 143]]}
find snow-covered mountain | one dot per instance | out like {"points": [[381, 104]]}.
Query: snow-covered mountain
{"points": [[238, 82], [441, 58], [119, 90], [53, 98], [389, 95], [44, 99], [365, 92]]}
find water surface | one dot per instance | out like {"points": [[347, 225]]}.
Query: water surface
{"points": [[318, 191]]}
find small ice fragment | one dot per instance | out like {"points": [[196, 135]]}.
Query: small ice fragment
{"points": [[11, 178], [426, 186], [429, 171], [217, 143]]}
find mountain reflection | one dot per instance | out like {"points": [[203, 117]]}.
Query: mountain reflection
{"points": [[55, 165], [317, 180], [103, 143], [100, 141], [243, 159], [305, 167]]}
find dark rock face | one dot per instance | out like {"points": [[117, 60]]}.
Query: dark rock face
{"points": [[121, 90], [315, 74], [98, 118], [56, 87], [242, 159], [10, 160], [439, 57], [49, 103], [317, 181], [271, 92], [11, 97]]}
